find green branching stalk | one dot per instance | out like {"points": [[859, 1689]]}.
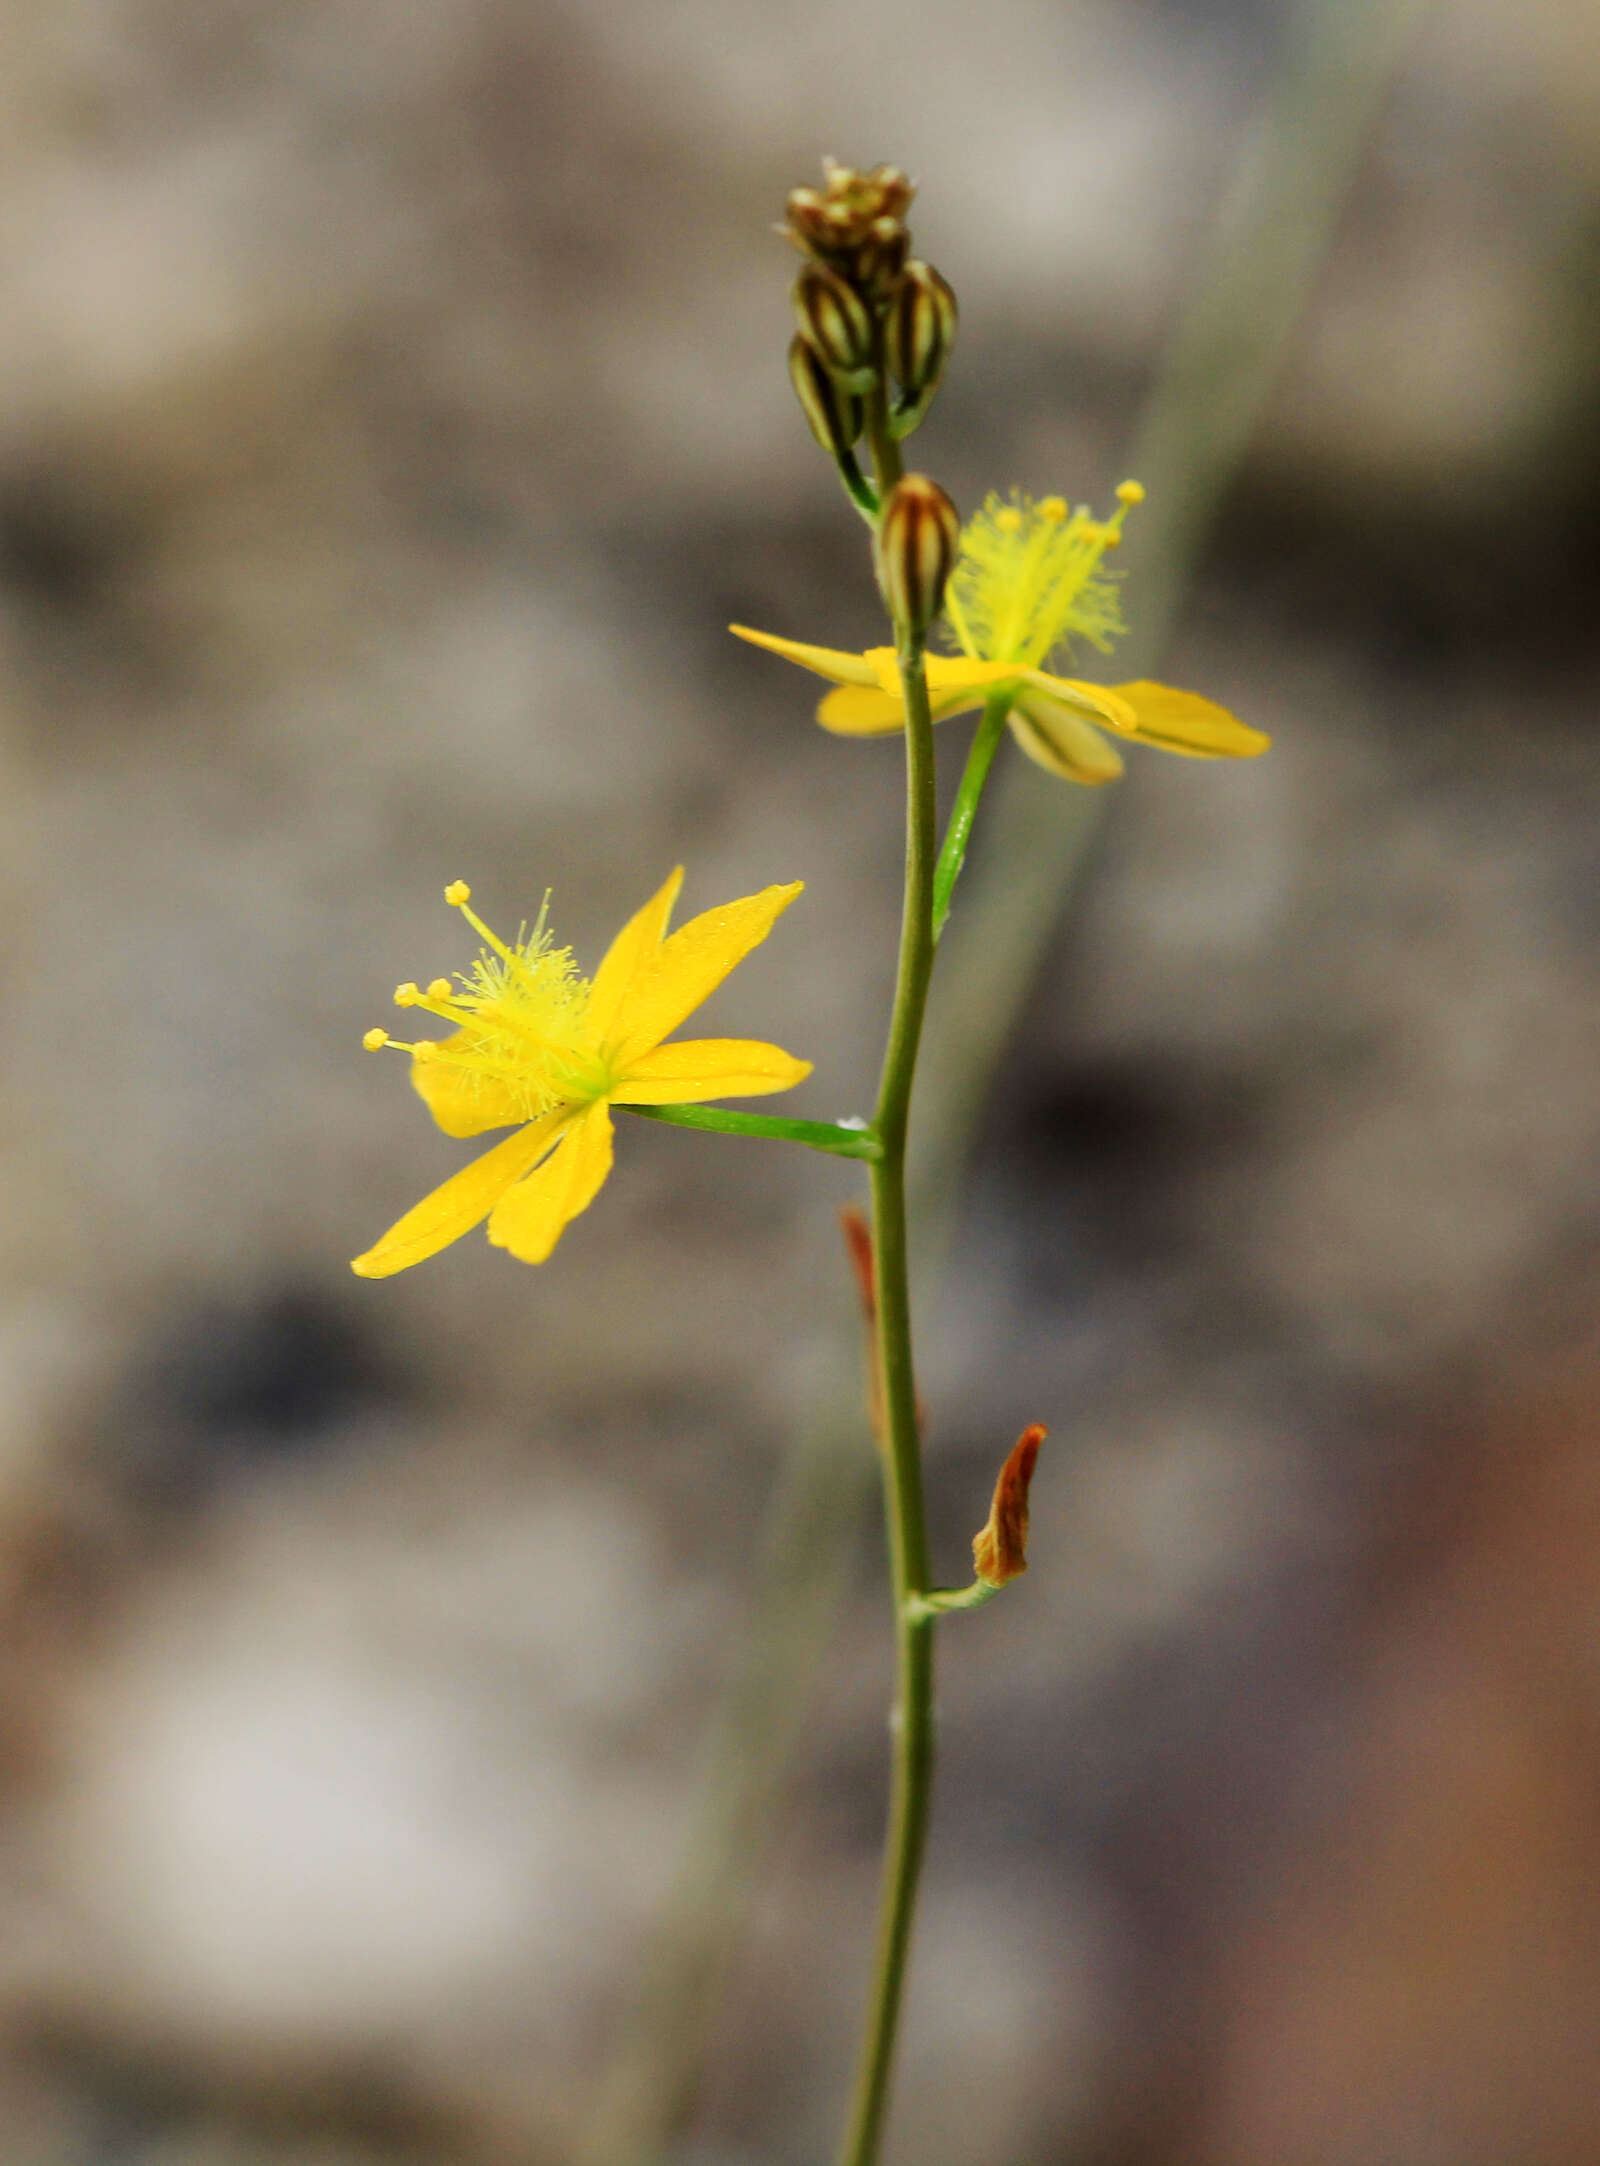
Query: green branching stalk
{"points": [[912, 1772], [831, 1136], [969, 794]]}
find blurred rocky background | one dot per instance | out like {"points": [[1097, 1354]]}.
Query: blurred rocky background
{"points": [[392, 415]]}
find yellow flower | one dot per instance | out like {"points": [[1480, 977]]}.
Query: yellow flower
{"points": [[538, 1046], [1027, 582]]}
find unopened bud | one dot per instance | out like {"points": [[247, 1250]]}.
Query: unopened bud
{"points": [[880, 258], [836, 416], [833, 317], [835, 220], [1000, 1551], [805, 224], [917, 545], [920, 329]]}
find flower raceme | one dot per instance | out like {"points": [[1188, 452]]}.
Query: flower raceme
{"points": [[1027, 582], [540, 1049]]}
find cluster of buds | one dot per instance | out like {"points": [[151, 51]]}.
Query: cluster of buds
{"points": [[866, 308]]}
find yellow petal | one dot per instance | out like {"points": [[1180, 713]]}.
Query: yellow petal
{"points": [[462, 1103], [955, 684], [688, 967], [627, 955], [463, 1200], [1101, 703], [691, 1069], [860, 710], [1062, 742], [826, 661], [949, 673], [1184, 722], [530, 1217]]}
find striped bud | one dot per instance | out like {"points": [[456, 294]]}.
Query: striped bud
{"points": [[836, 416], [834, 319], [917, 544], [920, 329]]}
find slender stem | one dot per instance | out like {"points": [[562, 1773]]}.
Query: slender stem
{"points": [[830, 1136], [912, 1769], [857, 487], [882, 441], [980, 758]]}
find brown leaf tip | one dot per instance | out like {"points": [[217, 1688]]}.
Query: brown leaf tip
{"points": [[1000, 1551]]}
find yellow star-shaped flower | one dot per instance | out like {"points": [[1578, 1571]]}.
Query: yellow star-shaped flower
{"points": [[1028, 580], [537, 1046]]}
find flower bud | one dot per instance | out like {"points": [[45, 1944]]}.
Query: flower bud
{"points": [[1000, 1551], [920, 329], [834, 222], [880, 258], [833, 319], [836, 416], [918, 541]]}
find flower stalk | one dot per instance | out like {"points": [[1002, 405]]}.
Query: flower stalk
{"points": [[834, 1137], [911, 1774]]}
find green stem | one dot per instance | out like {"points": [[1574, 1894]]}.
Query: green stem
{"points": [[912, 1771], [963, 812], [857, 487], [819, 1135], [882, 441]]}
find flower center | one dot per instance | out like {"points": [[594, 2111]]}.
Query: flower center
{"points": [[1028, 579], [521, 1016]]}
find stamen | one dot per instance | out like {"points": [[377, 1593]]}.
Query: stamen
{"points": [[1027, 579], [374, 1039], [458, 894], [407, 995], [1130, 492], [438, 988], [424, 1050]]}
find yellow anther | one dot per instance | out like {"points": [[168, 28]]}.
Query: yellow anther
{"points": [[1111, 537], [438, 988], [424, 1049], [407, 995], [1008, 519], [374, 1039], [1053, 508], [457, 893], [1130, 492]]}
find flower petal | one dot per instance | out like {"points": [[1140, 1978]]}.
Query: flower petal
{"points": [[462, 1103], [688, 967], [859, 710], [1184, 722], [1101, 703], [529, 1218], [961, 673], [467, 1197], [955, 684], [627, 955], [1062, 742], [826, 661], [691, 1069]]}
